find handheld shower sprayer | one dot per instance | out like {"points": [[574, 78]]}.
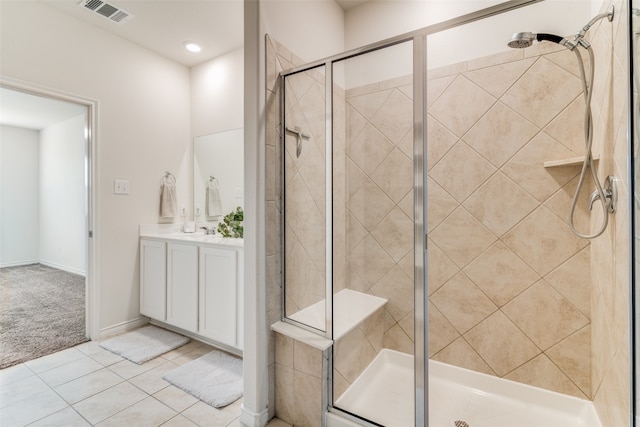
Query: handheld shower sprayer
{"points": [[524, 40]]}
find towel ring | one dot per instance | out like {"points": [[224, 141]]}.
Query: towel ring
{"points": [[168, 176], [213, 181]]}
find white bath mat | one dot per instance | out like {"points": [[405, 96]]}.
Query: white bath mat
{"points": [[144, 344], [215, 378]]}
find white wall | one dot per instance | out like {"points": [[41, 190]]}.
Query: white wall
{"points": [[143, 128], [378, 20], [312, 29], [18, 196], [217, 94], [62, 189]]}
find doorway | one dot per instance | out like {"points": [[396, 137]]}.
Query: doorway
{"points": [[46, 216]]}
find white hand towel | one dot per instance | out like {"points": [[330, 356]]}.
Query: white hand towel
{"points": [[168, 200], [214, 204]]}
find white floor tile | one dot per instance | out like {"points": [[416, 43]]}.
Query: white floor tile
{"points": [[67, 417], [127, 369], [179, 421], [15, 373], [99, 354], [88, 385], [109, 402], [31, 409], [54, 360], [21, 390], [69, 372], [175, 398], [151, 381], [205, 415], [146, 413], [192, 355], [181, 351]]}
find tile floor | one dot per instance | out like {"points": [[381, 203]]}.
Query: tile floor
{"points": [[87, 385]]}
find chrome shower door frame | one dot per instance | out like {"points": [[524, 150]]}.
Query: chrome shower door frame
{"points": [[419, 40]]}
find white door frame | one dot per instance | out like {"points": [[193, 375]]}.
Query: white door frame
{"points": [[92, 282]]}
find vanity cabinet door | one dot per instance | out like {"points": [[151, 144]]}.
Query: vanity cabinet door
{"points": [[153, 269], [218, 294], [182, 286]]}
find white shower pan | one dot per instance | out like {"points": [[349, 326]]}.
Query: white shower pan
{"points": [[457, 397]]}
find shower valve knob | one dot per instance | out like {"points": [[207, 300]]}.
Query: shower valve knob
{"points": [[610, 194]]}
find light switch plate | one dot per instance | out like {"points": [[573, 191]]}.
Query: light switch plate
{"points": [[120, 187]]}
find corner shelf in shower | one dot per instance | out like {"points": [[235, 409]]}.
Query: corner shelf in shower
{"points": [[571, 161]]}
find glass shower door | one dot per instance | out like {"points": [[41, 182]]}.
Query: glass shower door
{"points": [[304, 183], [374, 205]]}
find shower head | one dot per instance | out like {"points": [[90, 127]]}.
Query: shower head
{"points": [[522, 40]]}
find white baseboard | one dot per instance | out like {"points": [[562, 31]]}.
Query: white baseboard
{"points": [[252, 419], [123, 327], [63, 268], [18, 263]]}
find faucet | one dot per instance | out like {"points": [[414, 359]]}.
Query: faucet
{"points": [[208, 230]]}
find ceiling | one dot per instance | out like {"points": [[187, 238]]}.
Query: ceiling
{"points": [[22, 110], [164, 26], [161, 26]]}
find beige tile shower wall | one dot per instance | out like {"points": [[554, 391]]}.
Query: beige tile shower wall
{"points": [[509, 283], [509, 289], [294, 368], [610, 253], [379, 196]]}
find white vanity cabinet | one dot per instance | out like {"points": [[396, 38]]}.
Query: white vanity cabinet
{"points": [[153, 279], [182, 286], [196, 286], [219, 302]]}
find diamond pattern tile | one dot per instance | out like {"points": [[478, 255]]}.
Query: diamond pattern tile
{"points": [[369, 104], [527, 167], [439, 204], [439, 141], [447, 173], [462, 237], [454, 110], [500, 204], [530, 312], [498, 78], [369, 149], [463, 303], [500, 134], [370, 261], [543, 92], [501, 274], [543, 241], [370, 205], [501, 344], [395, 175], [395, 117], [395, 234]]}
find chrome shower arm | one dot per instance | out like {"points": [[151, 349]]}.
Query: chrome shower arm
{"points": [[608, 14]]}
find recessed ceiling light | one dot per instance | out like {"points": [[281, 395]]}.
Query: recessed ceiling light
{"points": [[192, 47]]}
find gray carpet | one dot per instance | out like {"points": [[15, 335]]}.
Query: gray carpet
{"points": [[144, 344], [215, 378], [42, 310]]}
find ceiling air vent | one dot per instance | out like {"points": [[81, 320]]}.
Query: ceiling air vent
{"points": [[106, 10]]}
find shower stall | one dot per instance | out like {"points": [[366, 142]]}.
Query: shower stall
{"points": [[425, 190]]}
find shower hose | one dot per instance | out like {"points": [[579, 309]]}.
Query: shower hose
{"points": [[588, 158]]}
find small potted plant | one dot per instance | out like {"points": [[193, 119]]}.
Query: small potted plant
{"points": [[231, 225]]}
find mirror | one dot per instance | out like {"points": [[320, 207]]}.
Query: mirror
{"points": [[218, 175]]}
